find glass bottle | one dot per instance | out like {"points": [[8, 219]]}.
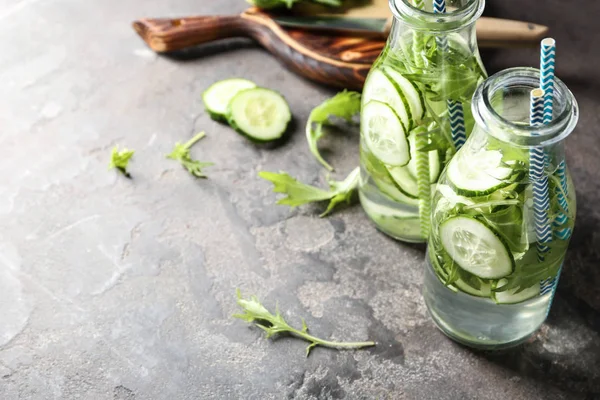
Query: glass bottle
{"points": [[491, 273], [416, 111]]}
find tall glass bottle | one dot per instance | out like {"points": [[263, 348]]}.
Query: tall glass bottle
{"points": [[500, 230], [416, 111]]}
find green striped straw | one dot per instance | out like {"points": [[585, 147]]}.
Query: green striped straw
{"points": [[422, 157]]}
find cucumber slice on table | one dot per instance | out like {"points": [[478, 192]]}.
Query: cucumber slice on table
{"points": [[217, 97], [261, 114], [511, 296], [381, 87], [479, 174], [384, 134], [476, 248], [413, 96]]}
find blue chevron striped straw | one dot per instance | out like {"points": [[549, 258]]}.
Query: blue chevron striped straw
{"points": [[455, 108], [547, 68], [541, 197]]}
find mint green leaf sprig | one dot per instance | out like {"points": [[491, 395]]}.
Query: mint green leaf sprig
{"points": [[343, 105], [181, 153], [273, 324], [120, 160], [299, 193]]}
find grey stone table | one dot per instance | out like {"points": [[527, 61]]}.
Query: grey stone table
{"points": [[124, 289]]}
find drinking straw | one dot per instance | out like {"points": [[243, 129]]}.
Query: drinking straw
{"points": [[439, 6], [422, 157], [418, 42], [547, 68], [457, 123], [541, 198], [455, 108]]}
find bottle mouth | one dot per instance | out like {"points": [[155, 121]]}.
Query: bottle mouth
{"points": [[502, 106], [460, 13]]}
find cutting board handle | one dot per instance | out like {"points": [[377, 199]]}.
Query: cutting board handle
{"points": [[163, 34]]}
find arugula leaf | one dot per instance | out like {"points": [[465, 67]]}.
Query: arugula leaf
{"points": [[181, 153], [299, 193], [273, 324], [268, 4], [120, 160], [343, 105]]}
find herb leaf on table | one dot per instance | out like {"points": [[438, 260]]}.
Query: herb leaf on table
{"points": [[268, 4], [120, 160], [299, 193], [343, 105], [181, 153], [273, 324]]}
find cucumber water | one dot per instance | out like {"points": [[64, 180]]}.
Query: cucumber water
{"points": [[502, 216], [415, 78]]}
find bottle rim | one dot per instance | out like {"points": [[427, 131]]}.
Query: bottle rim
{"points": [[425, 20], [521, 135]]}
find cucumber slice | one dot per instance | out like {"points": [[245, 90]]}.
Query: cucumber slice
{"points": [[405, 182], [511, 297], [261, 114], [479, 174], [384, 134], [435, 166], [413, 96], [382, 88], [484, 291], [391, 191], [394, 222], [405, 178], [452, 198], [217, 97], [476, 248]]}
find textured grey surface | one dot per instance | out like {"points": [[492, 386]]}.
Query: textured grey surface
{"points": [[123, 289]]}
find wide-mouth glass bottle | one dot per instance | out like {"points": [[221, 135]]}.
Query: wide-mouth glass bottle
{"points": [[500, 232], [416, 111]]}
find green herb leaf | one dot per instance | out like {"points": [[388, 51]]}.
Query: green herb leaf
{"points": [[299, 193], [120, 160], [268, 4], [181, 153], [273, 324], [343, 105]]}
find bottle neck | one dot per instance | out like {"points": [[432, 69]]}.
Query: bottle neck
{"points": [[460, 15], [501, 107]]}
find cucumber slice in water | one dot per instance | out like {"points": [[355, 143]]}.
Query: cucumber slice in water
{"points": [[479, 174], [261, 114], [484, 291], [405, 178], [392, 191], [413, 96], [384, 134], [435, 166], [381, 87], [405, 182], [217, 97], [511, 297], [476, 248]]}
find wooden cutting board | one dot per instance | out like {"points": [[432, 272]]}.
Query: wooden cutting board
{"points": [[336, 61]]}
